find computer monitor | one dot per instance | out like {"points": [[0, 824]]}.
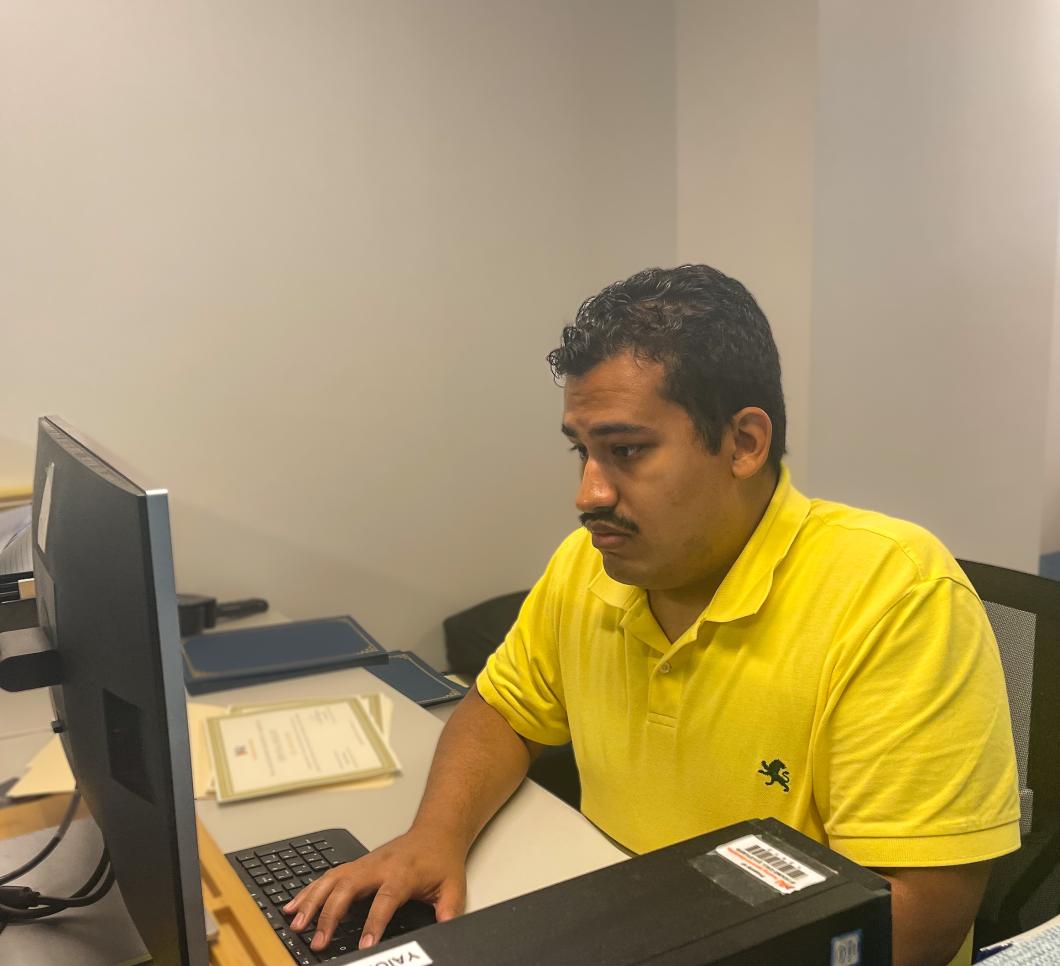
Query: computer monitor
{"points": [[103, 565]]}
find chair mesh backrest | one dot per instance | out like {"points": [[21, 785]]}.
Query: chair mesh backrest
{"points": [[1015, 632], [1024, 610]]}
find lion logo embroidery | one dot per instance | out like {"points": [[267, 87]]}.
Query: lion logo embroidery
{"points": [[777, 773]]}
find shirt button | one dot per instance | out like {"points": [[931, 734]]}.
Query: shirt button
{"points": [[664, 668]]}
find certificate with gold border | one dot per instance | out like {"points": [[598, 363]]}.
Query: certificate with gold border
{"points": [[289, 747]]}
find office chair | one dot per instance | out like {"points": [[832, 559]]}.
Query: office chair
{"points": [[1024, 610], [470, 638]]}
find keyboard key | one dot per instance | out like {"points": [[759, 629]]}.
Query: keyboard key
{"points": [[320, 840], [287, 854], [302, 849], [276, 866], [266, 854], [253, 864], [301, 869], [295, 843], [320, 866], [281, 898], [264, 880], [311, 856], [283, 875], [271, 890], [244, 856]]}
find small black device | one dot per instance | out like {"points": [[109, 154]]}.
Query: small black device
{"points": [[199, 612]]}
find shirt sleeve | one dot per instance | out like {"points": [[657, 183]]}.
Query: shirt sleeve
{"points": [[914, 763], [522, 679]]}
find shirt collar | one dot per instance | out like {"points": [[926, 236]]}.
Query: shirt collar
{"points": [[749, 580]]}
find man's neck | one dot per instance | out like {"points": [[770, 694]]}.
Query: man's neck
{"points": [[676, 609], [675, 615]]}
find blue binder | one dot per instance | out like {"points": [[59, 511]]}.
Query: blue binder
{"points": [[255, 655]]}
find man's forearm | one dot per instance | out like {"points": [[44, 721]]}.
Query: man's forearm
{"points": [[477, 765]]}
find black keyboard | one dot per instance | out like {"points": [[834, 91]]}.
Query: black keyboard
{"points": [[276, 872]]}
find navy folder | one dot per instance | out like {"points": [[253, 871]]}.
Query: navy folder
{"points": [[255, 655], [417, 680]]}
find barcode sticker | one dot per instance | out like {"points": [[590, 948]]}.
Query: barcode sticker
{"points": [[769, 864]]}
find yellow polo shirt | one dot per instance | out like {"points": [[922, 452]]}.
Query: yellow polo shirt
{"points": [[844, 679]]}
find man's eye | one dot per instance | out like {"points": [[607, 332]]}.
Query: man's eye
{"points": [[627, 452], [580, 450]]}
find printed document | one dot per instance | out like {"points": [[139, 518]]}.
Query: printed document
{"points": [[287, 747]]}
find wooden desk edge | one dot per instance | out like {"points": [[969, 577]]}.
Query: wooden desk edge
{"points": [[244, 937]]}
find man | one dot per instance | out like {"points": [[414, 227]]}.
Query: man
{"points": [[718, 647]]}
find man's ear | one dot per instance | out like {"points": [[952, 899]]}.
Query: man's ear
{"points": [[752, 434]]}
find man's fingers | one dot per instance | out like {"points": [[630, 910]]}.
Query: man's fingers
{"points": [[306, 903], [383, 907], [451, 898], [334, 909]]}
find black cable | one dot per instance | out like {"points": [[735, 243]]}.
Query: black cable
{"points": [[75, 902], [101, 868], [86, 889], [75, 799], [55, 906]]}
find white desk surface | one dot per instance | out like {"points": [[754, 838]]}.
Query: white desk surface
{"points": [[534, 841]]}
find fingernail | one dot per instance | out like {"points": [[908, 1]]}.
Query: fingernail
{"points": [[367, 939], [298, 922], [319, 937]]}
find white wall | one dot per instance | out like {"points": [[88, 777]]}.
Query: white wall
{"points": [[746, 86], [884, 179], [301, 264], [934, 262], [1051, 509]]}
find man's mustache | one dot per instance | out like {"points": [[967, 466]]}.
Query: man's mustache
{"points": [[609, 519]]}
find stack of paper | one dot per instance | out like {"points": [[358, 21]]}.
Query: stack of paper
{"points": [[264, 749]]}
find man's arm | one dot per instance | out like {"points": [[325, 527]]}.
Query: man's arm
{"points": [[932, 910], [477, 765]]}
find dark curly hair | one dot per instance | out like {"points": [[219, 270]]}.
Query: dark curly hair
{"points": [[707, 331]]}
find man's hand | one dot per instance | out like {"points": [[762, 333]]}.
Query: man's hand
{"points": [[408, 867], [478, 763]]}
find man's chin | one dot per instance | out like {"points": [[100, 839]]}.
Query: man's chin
{"points": [[620, 570]]}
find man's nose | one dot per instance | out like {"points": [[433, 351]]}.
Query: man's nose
{"points": [[595, 491]]}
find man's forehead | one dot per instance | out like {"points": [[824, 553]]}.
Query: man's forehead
{"points": [[617, 395]]}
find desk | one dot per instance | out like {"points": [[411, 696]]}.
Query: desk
{"points": [[534, 841]]}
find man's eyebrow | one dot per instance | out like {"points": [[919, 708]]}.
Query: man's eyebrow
{"points": [[607, 429]]}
